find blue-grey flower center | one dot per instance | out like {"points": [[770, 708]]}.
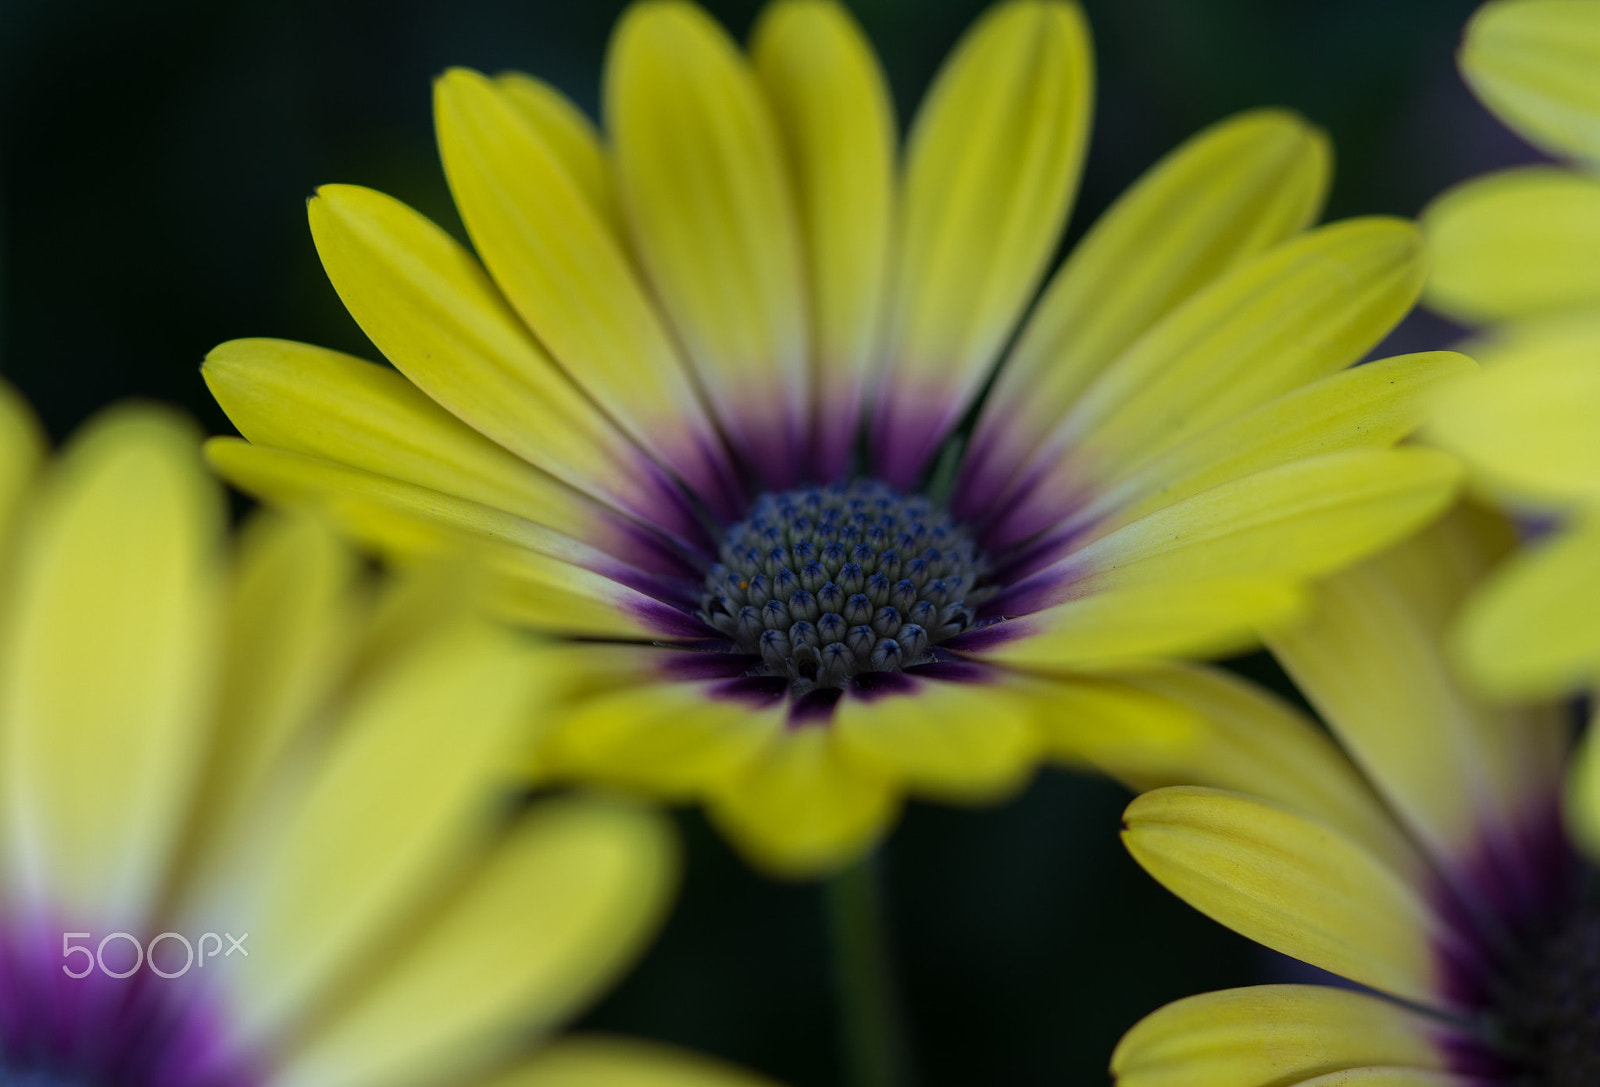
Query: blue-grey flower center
{"points": [[1553, 1011], [823, 583]]}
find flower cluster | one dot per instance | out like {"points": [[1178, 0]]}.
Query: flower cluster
{"points": [[752, 460]]}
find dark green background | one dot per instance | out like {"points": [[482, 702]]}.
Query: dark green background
{"points": [[154, 161]]}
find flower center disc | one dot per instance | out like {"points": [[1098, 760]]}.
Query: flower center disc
{"points": [[823, 583], [1556, 1012]]}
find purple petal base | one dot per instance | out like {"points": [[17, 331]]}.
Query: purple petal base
{"points": [[139, 1031], [907, 430]]}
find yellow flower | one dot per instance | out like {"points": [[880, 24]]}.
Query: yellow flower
{"points": [[254, 826], [1519, 251], [1418, 852], [699, 406]]}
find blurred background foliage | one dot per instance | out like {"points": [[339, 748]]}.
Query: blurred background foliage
{"points": [[154, 160]]}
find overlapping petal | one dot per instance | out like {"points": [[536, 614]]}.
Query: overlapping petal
{"points": [[1227, 193], [1277, 1034], [1533, 63], [832, 108], [1534, 629], [433, 312], [108, 673], [1294, 884], [704, 185], [556, 913], [570, 279], [992, 164], [1515, 244], [1298, 313]]}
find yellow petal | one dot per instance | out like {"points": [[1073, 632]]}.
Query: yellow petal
{"points": [[570, 136], [675, 740], [1533, 63], [1134, 622], [1526, 426], [293, 616], [434, 313], [1300, 519], [1283, 880], [568, 276], [1307, 308], [832, 108], [321, 403], [956, 740], [1273, 1034], [549, 921], [804, 806], [598, 1061], [1110, 725], [1239, 187], [108, 675], [21, 450], [542, 577], [703, 182], [407, 789], [992, 165], [1583, 793], [1515, 244], [1370, 657], [1375, 404], [1225, 733], [1534, 628]]}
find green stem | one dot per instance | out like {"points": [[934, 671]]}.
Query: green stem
{"points": [[869, 1021]]}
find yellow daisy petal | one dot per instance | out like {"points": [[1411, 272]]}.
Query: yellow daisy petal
{"points": [[332, 883], [571, 137], [434, 313], [703, 182], [804, 806], [1297, 520], [1148, 621], [110, 638], [1375, 404], [674, 740], [1237, 188], [833, 112], [566, 585], [960, 741], [293, 617], [1526, 426], [1534, 628], [597, 1061], [1370, 656], [1515, 244], [1296, 885], [1273, 1034], [992, 165], [1583, 793], [21, 449], [1240, 738], [559, 910], [321, 403], [1312, 306], [568, 277], [1533, 63]]}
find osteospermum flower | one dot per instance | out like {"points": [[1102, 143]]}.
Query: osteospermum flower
{"points": [[1519, 252], [1418, 852], [254, 831], [701, 405]]}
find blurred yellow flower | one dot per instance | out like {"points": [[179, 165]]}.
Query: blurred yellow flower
{"points": [[255, 825], [700, 405], [1419, 852], [1519, 251]]}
